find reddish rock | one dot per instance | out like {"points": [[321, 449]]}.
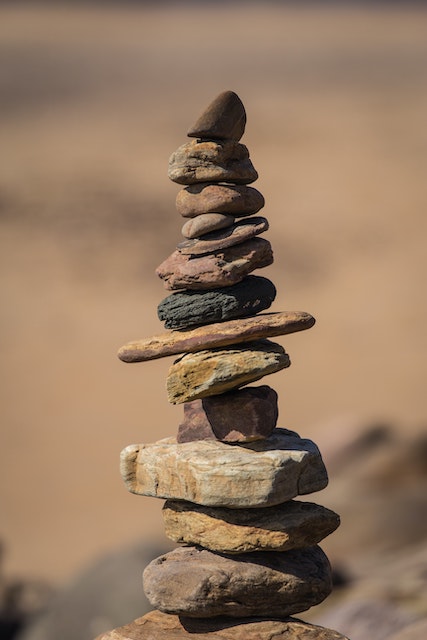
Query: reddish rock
{"points": [[223, 119], [238, 200], [239, 232], [205, 223]]}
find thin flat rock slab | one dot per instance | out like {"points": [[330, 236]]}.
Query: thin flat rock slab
{"points": [[215, 474], [244, 415], [239, 232], [223, 119], [211, 161], [290, 525], [200, 225], [220, 269], [233, 199], [192, 308], [199, 583], [164, 626], [214, 371], [220, 334]]}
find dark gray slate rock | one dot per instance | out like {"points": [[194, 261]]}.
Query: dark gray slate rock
{"points": [[237, 416], [234, 199], [198, 583], [191, 308], [223, 119]]}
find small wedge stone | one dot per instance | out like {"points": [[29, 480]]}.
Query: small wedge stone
{"points": [[223, 119], [236, 200], [206, 223], [208, 472], [211, 372], [290, 525], [239, 232]]}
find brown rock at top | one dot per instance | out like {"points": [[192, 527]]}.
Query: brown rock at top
{"points": [[200, 225], [212, 372], [223, 119], [237, 200], [220, 269], [239, 232], [219, 334], [199, 583], [211, 161], [164, 626], [289, 525], [244, 415]]}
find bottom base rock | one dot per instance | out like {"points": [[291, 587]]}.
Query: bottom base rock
{"points": [[163, 626]]}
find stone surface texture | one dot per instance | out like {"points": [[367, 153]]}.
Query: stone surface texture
{"points": [[211, 161], [188, 308], [199, 583], [203, 198], [200, 225], [163, 626], [290, 525], [239, 232], [244, 415], [214, 371], [211, 473], [219, 334], [220, 269], [223, 119]]}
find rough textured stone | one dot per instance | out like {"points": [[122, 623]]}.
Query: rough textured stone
{"points": [[223, 119], [214, 371], [234, 199], [189, 308], [164, 626], [208, 472], [211, 162], [237, 416], [239, 232], [205, 223], [199, 583], [219, 334], [290, 525], [220, 269]]}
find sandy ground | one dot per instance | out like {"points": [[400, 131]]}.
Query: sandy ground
{"points": [[93, 103]]}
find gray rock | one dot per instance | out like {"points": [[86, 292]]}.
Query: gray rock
{"points": [[237, 200], [223, 119]]}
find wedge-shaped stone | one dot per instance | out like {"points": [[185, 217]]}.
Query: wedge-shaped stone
{"points": [[164, 626], [290, 525], [199, 583], [239, 232], [215, 335], [211, 372], [211, 473], [223, 119], [211, 161], [220, 269], [234, 199]]}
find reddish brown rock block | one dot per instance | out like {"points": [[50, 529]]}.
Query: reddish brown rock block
{"points": [[234, 199]]}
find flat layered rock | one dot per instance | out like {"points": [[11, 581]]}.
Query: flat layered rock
{"points": [[223, 119], [219, 334], [211, 473], [164, 626], [244, 415], [211, 161], [220, 269], [239, 232], [290, 525], [200, 225], [211, 372], [237, 200], [199, 583], [188, 308]]}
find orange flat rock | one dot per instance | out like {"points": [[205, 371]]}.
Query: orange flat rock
{"points": [[215, 335]]}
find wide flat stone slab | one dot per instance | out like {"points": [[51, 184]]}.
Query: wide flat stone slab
{"points": [[240, 231], [211, 161], [222, 268], [211, 372], [199, 583], [223, 119], [233, 199], [211, 473], [219, 334], [290, 525], [164, 626]]}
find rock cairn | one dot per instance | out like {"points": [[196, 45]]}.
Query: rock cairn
{"points": [[250, 557]]}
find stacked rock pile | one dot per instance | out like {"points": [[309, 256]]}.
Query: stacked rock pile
{"points": [[250, 557]]}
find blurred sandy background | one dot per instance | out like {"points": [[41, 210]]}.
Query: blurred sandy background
{"points": [[93, 102]]}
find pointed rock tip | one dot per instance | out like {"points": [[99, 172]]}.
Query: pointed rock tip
{"points": [[223, 119]]}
